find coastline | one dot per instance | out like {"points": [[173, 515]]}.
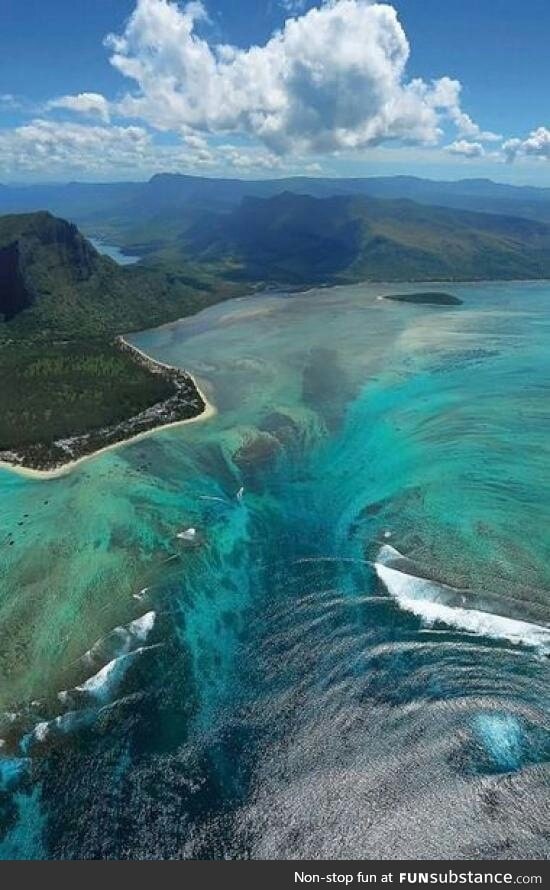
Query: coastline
{"points": [[210, 409], [207, 413]]}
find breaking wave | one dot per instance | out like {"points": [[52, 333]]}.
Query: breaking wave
{"points": [[121, 640], [432, 603]]}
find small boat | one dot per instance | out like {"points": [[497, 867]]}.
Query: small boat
{"points": [[240, 493]]}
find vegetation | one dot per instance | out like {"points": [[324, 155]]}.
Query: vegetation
{"points": [[299, 239], [63, 375], [201, 241], [431, 298], [53, 282], [62, 390]]}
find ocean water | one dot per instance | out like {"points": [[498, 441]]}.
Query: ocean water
{"points": [[351, 659]]}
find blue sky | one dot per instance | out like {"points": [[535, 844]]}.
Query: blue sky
{"points": [[427, 87]]}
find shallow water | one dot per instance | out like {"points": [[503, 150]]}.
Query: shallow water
{"points": [[353, 659]]}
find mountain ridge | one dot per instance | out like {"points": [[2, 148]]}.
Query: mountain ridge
{"points": [[115, 204], [301, 239]]}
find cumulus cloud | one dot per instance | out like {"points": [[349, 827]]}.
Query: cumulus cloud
{"points": [[536, 145], [466, 149], [83, 103], [332, 79], [45, 147], [447, 95], [241, 159]]}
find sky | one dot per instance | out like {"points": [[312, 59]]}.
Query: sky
{"points": [[106, 90]]}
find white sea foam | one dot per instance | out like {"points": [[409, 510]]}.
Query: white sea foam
{"points": [[122, 639], [122, 643], [141, 627], [72, 720], [64, 723], [424, 599], [41, 731], [188, 534], [102, 684]]}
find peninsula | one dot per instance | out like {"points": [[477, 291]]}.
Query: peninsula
{"points": [[71, 384], [183, 403]]}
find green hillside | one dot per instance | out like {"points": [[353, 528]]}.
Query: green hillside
{"points": [[62, 303], [63, 375], [53, 283], [300, 239]]}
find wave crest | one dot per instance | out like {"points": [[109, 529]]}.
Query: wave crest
{"points": [[432, 603]]}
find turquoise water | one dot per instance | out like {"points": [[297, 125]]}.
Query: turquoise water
{"points": [[351, 658]]}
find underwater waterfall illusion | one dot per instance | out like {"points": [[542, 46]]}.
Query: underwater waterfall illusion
{"points": [[352, 658]]}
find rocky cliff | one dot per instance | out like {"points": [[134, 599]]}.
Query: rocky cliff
{"points": [[39, 255]]}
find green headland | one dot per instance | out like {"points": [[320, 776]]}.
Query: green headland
{"points": [[70, 385]]}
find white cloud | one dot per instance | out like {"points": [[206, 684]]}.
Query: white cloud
{"points": [[8, 100], [468, 128], [50, 149], [332, 79], [293, 6], [43, 145], [241, 159], [446, 95], [83, 103], [466, 149], [536, 145], [331, 82]]}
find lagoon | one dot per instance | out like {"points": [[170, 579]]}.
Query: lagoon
{"points": [[353, 659]]}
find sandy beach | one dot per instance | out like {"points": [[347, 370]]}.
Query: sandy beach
{"points": [[62, 470]]}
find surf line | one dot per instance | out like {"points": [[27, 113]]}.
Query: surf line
{"points": [[426, 600]]}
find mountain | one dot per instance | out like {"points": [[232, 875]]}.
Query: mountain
{"points": [[69, 386], [143, 214], [54, 283], [301, 239], [65, 378], [41, 255]]}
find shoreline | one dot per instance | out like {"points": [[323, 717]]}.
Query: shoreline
{"points": [[207, 413], [210, 409]]}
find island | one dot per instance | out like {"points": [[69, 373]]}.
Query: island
{"points": [[427, 298]]}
